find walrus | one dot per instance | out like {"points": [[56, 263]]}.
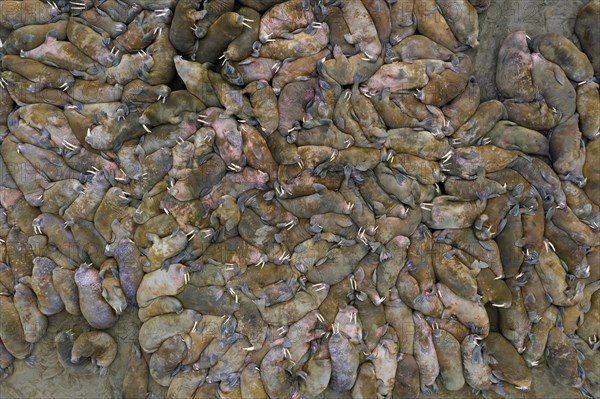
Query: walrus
{"points": [[458, 111], [411, 293], [344, 362], [94, 308], [64, 345], [589, 364], [41, 282], [18, 212], [29, 37], [48, 163], [452, 272], [451, 82], [424, 171], [138, 92], [169, 111], [562, 359], [159, 306], [112, 291], [587, 33], [450, 212], [161, 225], [218, 37], [132, 66], [16, 14], [431, 23], [384, 359], [91, 43], [482, 121], [27, 178], [100, 21], [262, 98], [561, 51], [12, 334], [230, 362], [210, 13], [588, 109], [592, 172], [98, 345], [89, 240], [580, 203], [468, 189], [33, 321], [291, 70], [363, 32], [449, 356], [462, 19], [181, 34], [54, 228], [63, 54], [111, 132], [218, 346], [41, 248], [510, 136], [308, 42], [513, 69], [7, 278], [408, 384], [507, 364], [318, 370], [162, 282], [185, 383], [157, 329], [85, 205], [486, 251], [366, 114], [476, 370], [249, 70], [338, 29], [580, 232], [467, 162], [162, 52], [514, 321], [114, 205], [59, 195], [554, 86], [6, 362], [366, 382], [549, 268], [402, 76], [64, 283], [534, 348], [19, 253], [273, 373], [195, 77], [425, 354], [541, 176], [135, 381], [591, 322], [120, 11], [44, 76], [472, 314], [417, 47], [283, 18]]}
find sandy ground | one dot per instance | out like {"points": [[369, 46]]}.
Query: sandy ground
{"points": [[49, 380]]}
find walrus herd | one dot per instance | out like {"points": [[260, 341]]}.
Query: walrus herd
{"points": [[299, 198]]}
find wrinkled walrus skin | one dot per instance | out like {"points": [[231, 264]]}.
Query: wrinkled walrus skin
{"points": [[300, 199]]}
